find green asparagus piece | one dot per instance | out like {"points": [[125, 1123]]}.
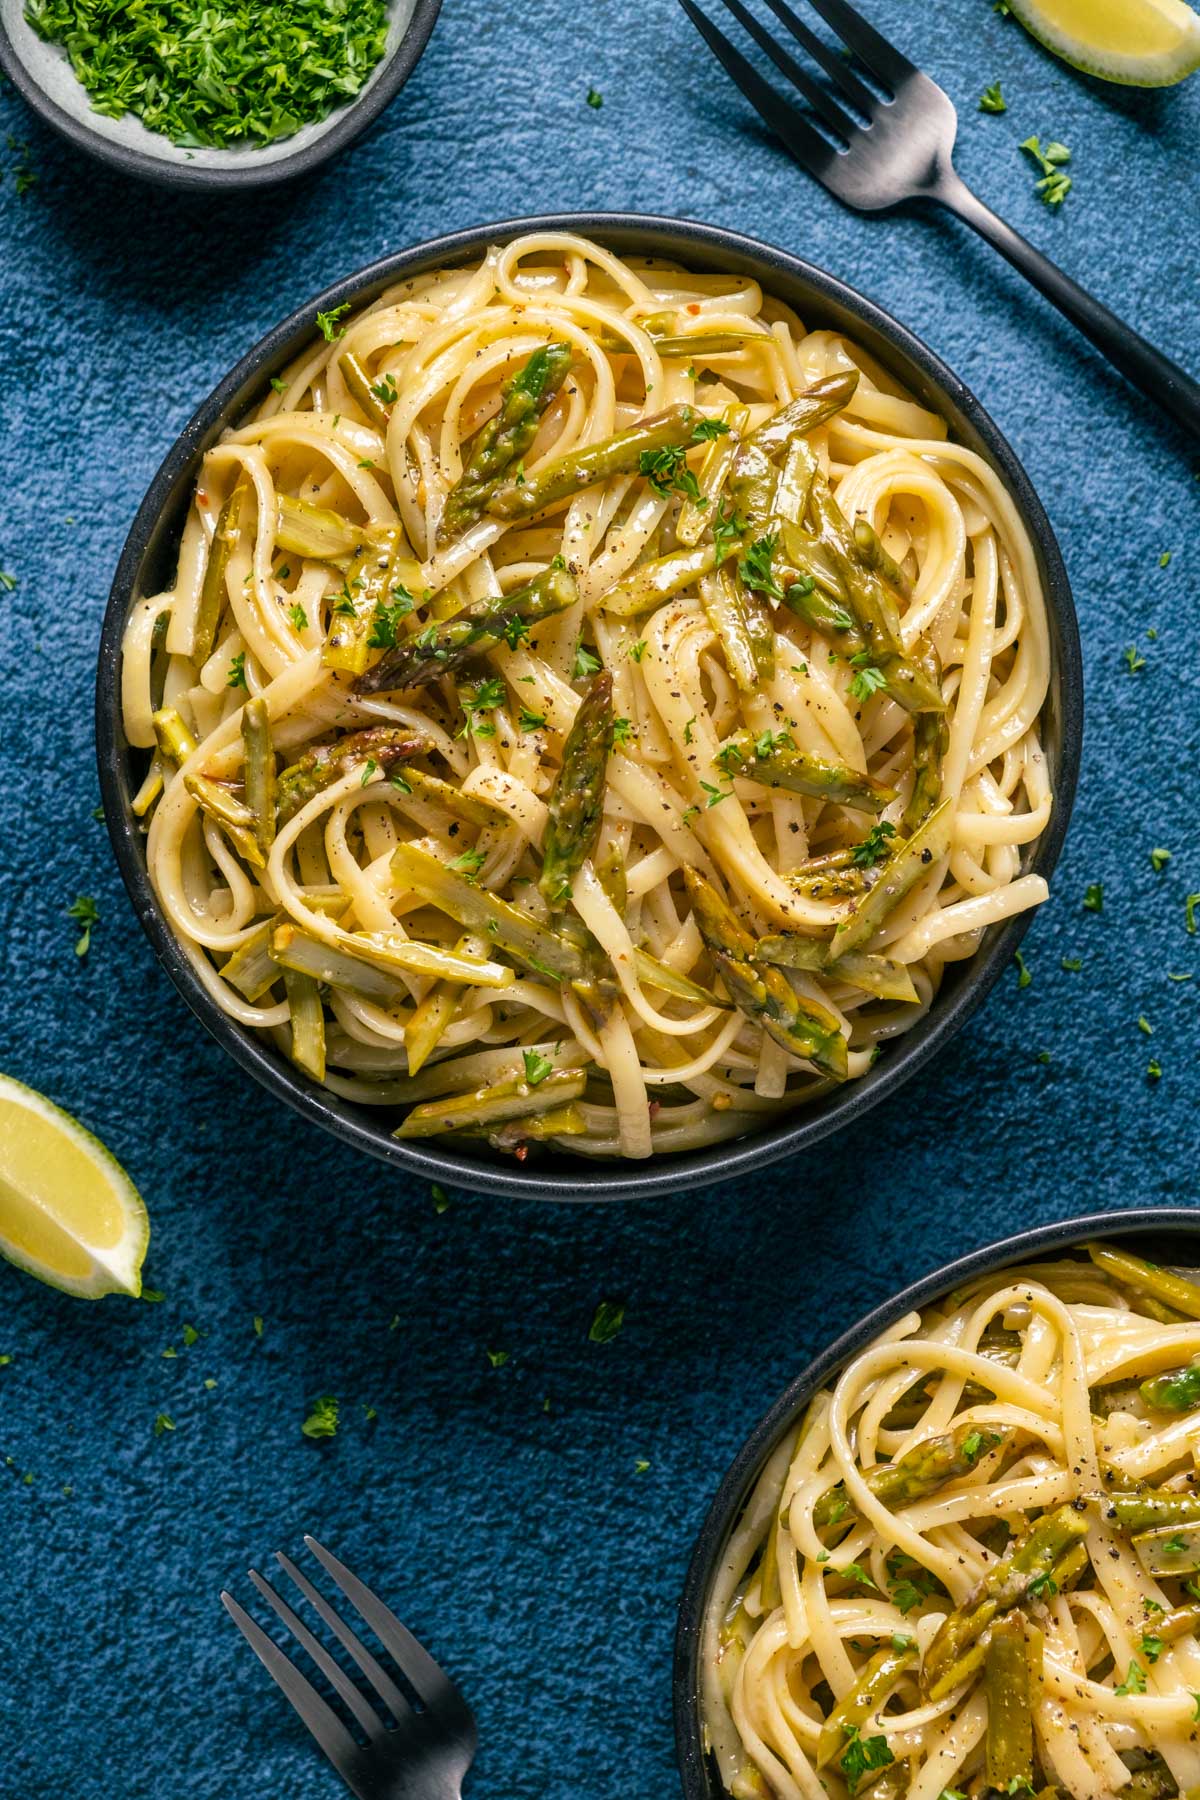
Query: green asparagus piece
{"points": [[1020, 1575], [212, 588], [656, 974], [773, 759], [931, 740], [799, 1026], [912, 858], [865, 1698], [725, 608], [471, 633], [1010, 1713], [234, 817], [576, 802], [546, 952], [359, 384], [610, 872], [251, 969], [491, 1106], [259, 772], [829, 617], [876, 975], [708, 343], [801, 557], [535, 1128], [504, 440], [761, 627], [382, 574], [472, 809], [922, 1471], [1181, 1621], [1147, 1278], [356, 957], [1151, 1779], [294, 949], [870, 548], [696, 515], [175, 741], [1148, 1509], [579, 469], [308, 1023], [1176, 1391], [319, 768], [1169, 1549], [314, 531], [661, 579], [814, 407]]}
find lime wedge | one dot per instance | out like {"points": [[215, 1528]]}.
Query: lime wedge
{"points": [[1143, 43], [69, 1213]]}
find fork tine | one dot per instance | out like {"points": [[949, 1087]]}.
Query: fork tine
{"points": [[320, 1719], [807, 145], [415, 1663], [835, 66], [336, 1677], [787, 65], [883, 59], [378, 1676]]}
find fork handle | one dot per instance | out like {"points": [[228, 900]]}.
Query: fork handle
{"points": [[1160, 379]]}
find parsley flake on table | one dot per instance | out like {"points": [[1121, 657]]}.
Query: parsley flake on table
{"points": [[7, 582], [1054, 185], [84, 911], [440, 1198], [163, 1422], [641, 1466], [1024, 972], [595, 99], [1134, 662], [1153, 1073], [1159, 858], [1191, 902], [1093, 898], [607, 1321], [1164, 561], [1072, 964], [497, 1358], [322, 1420], [992, 100]]}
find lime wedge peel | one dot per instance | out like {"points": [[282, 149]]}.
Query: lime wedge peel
{"points": [[1141, 43], [69, 1213]]}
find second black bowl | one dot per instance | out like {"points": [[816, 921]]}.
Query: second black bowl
{"points": [[147, 563]]}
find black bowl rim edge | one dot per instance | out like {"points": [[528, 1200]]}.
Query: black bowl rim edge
{"points": [[735, 1484], [351, 121], [591, 1182]]}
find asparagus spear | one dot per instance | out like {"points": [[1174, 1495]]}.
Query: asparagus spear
{"points": [[707, 343], [814, 407], [931, 739], [828, 616], [504, 440], [472, 809], [535, 1128], [259, 773], [1024, 1572], [234, 817], [864, 1698], [314, 531], [1169, 1549], [656, 974], [359, 384], [539, 948], [576, 803], [724, 605], [1147, 1278], [876, 975], [251, 969], [175, 741], [381, 575], [1010, 1714], [911, 859], [212, 588], [1148, 1510], [1178, 1390], [478, 628], [567, 475], [308, 1022], [661, 579], [492, 1106], [355, 957], [922, 1471], [696, 514], [773, 759], [320, 767], [800, 1026], [870, 548]]}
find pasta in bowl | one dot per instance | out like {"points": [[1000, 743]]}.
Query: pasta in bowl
{"points": [[590, 709], [970, 1564]]}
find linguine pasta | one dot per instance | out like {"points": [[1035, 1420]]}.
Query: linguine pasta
{"points": [[591, 707], [973, 1570]]}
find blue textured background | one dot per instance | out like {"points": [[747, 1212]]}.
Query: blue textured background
{"points": [[521, 1544]]}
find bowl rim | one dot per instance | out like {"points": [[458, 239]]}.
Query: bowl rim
{"points": [[349, 123], [583, 1180], [734, 1487]]}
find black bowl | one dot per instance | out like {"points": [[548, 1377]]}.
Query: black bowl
{"points": [[1157, 1231], [147, 562], [43, 76]]}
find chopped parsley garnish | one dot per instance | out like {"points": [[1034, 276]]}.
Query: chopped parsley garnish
{"points": [[727, 529], [1151, 1647], [7, 582], [715, 794], [1164, 561], [327, 323], [279, 384], [497, 1358], [874, 847], [1072, 964], [485, 699], [205, 75], [755, 568], [1093, 897], [537, 1067], [637, 651], [1134, 1682], [977, 1442], [855, 1572], [1159, 858], [298, 616], [1054, 185], [469, 863], [1145, 1025], [861, 1755], [595, 99], [1133, 661], [530, 721], [387, 616], [623, 731], [641, 1466], [586, 662], [992, 100], [1154, 1069], [322, 1420], [163, 1422], [1024, 972], [440, 1198], [237, 672], [608, 1319], [709, 428], [868, 679], [84, 911], [369, 768], [385, 390], [1043, 1587]]}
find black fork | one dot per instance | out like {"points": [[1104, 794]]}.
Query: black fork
{"points": [[422, 1745], [874, 153]]}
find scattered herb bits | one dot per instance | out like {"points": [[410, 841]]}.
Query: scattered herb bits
{"points": [[1055, 184], [229, 73]]}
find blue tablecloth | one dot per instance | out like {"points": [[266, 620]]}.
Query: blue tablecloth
{"points": [[501, 1509]]}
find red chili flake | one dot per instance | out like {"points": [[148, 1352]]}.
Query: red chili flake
{"points": [[693, 306], [521, 1152], [654, 1108]]}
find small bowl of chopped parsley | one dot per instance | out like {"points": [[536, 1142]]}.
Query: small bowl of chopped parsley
{"points": [[212, 93]]}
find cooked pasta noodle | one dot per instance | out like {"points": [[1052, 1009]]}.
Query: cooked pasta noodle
{"points": [[973, 1570], [591, 708]]}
